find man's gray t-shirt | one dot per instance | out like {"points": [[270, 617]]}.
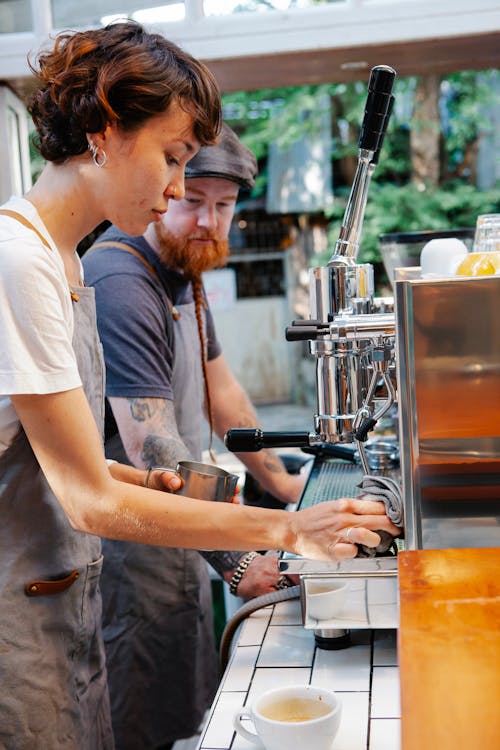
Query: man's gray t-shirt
{"points": [[135, 320]]}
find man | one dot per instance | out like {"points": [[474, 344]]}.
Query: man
{"points": [[165, 369]]}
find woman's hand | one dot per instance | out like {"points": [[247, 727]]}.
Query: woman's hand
{"points": [[331, 530], [163, 479]]}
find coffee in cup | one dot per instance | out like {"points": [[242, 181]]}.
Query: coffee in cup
{"points": [[295, 709], [297, 716]]}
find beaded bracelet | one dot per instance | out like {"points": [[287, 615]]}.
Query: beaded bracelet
{"points": [[238, 573]]}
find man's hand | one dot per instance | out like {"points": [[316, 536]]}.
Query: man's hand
{"points": [[261, 577]]}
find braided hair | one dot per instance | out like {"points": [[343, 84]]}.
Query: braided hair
{"points": [[200, 305]]}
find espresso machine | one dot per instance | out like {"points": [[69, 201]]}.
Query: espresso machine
{"points": [[433, 357]]}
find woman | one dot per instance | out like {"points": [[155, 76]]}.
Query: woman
{"points": [[119, 113]]}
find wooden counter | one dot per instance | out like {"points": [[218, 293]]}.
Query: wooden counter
{"points": [[449, 649]]}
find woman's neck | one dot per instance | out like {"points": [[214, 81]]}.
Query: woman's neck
{"points": [[65, 205]]}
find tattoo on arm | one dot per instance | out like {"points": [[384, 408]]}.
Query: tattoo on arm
{"points": [[141, 409], [159, 450], [162, 445], [222, 562], [246, 419], [273, 463]]}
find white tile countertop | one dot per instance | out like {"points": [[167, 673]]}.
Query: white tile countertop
{"points": [[273, 649]]}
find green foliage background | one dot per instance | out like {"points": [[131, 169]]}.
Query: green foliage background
{"points": [[395, 203]]}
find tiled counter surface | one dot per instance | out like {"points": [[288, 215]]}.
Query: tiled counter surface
{"points": [[273, 649]]}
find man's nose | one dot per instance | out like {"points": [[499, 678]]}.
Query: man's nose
{"points": [[207, 217]]}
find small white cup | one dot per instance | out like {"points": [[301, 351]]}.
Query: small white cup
{"points": [[297, 716], [325, 599], [441, 257]]}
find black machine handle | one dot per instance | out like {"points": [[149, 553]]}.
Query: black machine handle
{"points": [[304, 330], [376, 155], [305, 333], [251, 440], [377, 106]]}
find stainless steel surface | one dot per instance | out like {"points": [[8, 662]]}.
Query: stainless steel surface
{"points": [[371, 597], [348, 243], [371, 601], [448, 340], [359, 567], [353, 353], [342, 383], [206, 481], [340, 288], [382, 455]]}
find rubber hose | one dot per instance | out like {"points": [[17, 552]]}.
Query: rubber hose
{"points": [[244, 611]]}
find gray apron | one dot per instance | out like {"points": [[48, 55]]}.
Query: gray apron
{"points": [[157, 605], [53, 691]]}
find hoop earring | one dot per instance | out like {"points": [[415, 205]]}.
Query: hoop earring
{"points": [[94, 150]]}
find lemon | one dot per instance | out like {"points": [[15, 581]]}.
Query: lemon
{"points": [[479, 264]]}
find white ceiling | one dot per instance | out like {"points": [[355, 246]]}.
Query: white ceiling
{"points": [[326, 43]]}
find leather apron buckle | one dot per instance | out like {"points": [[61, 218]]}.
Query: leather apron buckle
{"points": [[48, 588]]}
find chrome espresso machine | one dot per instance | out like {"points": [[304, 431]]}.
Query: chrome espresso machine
{"points": [[430, 358]]}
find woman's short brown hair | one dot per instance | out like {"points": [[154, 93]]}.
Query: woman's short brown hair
{"points": [[118, 74]]}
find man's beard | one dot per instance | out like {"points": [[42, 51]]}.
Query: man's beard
{"points": [[183, 255]]}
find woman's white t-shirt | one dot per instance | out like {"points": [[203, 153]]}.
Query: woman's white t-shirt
{"points": [[36, 316]]}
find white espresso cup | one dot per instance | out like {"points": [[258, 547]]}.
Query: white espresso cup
{"points": [[325, 599], [293, 717]]}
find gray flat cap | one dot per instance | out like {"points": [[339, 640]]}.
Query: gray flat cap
{"points": [[228, 158]]}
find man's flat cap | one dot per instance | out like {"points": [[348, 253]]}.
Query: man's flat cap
{"points": [[228, 159]]}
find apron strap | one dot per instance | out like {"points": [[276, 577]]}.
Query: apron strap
{"points": [[127, 249], [22, 220]]}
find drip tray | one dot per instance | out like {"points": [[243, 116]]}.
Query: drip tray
{"points": [[369, 602]]}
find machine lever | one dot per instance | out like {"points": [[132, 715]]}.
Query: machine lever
{"points": [[376, 155], [378, 104]]}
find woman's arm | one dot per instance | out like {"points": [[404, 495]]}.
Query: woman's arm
{"points": [[66, 442]]}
